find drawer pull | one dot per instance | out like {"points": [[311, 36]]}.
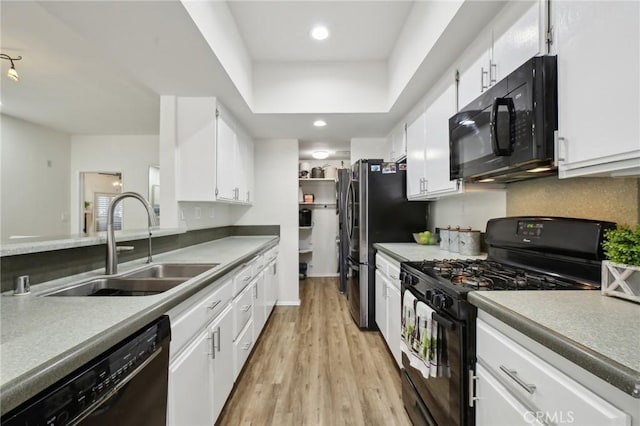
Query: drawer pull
{"points": [[214, 304], [514, 375], [246, 346], [245, 308], [395, 277], [247, 278]]}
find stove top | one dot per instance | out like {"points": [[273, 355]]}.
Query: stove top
{"points": [[470, 274]]}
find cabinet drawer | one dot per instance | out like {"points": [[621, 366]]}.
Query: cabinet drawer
{"points": [[394, 274], [242, 278], [242, 306], [382, 264], [258, 265], [242, 348], [185, 324], [540, 385]]}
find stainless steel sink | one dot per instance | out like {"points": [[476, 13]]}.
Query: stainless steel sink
{"points": [[151, 280], [174, 270], [120, 287]]}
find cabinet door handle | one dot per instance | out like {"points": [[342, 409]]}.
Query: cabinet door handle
{"points": [[483, 73], [245, 308], [426, 185], [255, 291], [216, 346], [214, 304], [492, 73], [384, 291], [562, 149], [472, 397], [513, 374]]}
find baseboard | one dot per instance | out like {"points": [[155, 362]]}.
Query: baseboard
{"points": [[323, 275], [288, 303]]}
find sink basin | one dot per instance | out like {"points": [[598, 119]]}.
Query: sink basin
{"points": [[120, 287], [153, 279], [173, 270]]}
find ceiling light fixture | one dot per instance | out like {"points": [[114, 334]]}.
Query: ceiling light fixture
{"points": [[12, 73], [319, 33], [486, 180], [319, 123], [320, 155]]}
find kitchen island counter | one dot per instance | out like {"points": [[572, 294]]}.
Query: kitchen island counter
{"points": [[43, 339]]}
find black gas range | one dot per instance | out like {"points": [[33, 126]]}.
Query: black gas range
{"points": [[524, 254]]}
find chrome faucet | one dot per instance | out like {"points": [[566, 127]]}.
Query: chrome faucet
{"points": [[112, 251]]}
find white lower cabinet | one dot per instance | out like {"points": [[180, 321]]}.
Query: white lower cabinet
{"points": [[215, 331], [388, 303], [221, 334], [190, 398], [496, 406], [242, 348], [547, 394]]}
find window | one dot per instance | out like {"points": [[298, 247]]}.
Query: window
{"points": [[102, 201]]}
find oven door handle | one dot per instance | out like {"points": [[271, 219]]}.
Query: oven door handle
{"points": [[449, 325]]}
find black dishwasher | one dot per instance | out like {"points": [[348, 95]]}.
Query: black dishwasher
{"points": [[127, 385]]}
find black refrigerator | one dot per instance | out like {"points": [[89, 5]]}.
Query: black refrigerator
{"points": [[342, 186], [377, 211]]}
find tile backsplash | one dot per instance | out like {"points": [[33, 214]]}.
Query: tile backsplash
{"points": [[613, 199]]}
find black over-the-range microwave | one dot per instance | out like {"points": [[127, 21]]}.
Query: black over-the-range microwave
{"points": [[507, 134]]}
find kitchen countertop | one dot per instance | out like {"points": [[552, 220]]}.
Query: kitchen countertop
{"points": [[404, 252], [38, 244], [598, 333], [42, 339]]}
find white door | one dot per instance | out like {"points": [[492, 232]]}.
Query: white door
{"points": [[381, 303], [221, 333], [415, 157], [190, 396], [598, 101], [259, 314], [393, 322], [226, 161], [437, 144], [495, 406], [519, 42]]}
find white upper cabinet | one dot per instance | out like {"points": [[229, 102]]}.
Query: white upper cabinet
{"points": [[416, 135], [437, 182], [214, 155], [598, 48], [514, 36], [398, 143]]}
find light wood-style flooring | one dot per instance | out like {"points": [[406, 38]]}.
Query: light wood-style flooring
{"points": [[314, 366]]}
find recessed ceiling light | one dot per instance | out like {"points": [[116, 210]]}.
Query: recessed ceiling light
{"points": [[319, 123], [320, 155], [486, 180], [319, 32], [539, 169]]}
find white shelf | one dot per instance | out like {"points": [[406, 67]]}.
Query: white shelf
{"points": [[318, 204], [316, 179], [305, 227], [304, 251]]}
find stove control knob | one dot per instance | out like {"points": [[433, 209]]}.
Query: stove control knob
{"points": [[441, 301], [414, 280], [402, 275]]}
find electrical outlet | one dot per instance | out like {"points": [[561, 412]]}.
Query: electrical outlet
{"points": [[197, 212]]}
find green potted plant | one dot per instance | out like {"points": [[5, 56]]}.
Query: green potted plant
{"points": [[621, 272]]}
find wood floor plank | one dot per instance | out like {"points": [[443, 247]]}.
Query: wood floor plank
{"points": [[314, 366]]}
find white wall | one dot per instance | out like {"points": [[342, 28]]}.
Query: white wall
{"points": [[34, 179], [314, 87], [472, 209], [276, 203], [425, 24], [369, 148], [218, 27], [129, 154]]}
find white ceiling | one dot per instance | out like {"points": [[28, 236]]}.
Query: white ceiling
{"points": [[359, 30], [99, 67]]}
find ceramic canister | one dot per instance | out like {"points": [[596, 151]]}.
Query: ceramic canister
{"points": [[444, 239], [453, 240], [469, 242]]}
